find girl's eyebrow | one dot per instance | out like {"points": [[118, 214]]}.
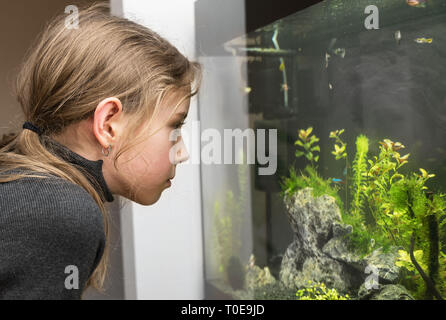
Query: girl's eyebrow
{"points": [[181, 114]]}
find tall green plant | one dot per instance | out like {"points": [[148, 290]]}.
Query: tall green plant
{"points": [[359, 175], [383, 171]]}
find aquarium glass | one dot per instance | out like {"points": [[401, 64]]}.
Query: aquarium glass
{"points": [[342, 107]]}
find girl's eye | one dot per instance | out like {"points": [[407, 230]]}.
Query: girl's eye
{"points": [[179, 125]]}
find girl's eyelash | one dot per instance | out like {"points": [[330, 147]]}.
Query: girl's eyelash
{"points": [[179, 125]]}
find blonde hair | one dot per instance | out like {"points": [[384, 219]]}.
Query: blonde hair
{"points": [[67, 72]]}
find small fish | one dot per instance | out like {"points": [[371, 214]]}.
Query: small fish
{"points": [[330, 86], [335, 180], [340, 52], [327, 58], [247, 90], [282, 66], [285, 87], [424, 40], [398, 37], [417, 3]]}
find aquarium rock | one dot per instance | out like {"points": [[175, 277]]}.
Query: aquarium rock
{"points": [[337, 249], [385, 292], [320, 252], [388, 272], [258, 277], [313, 220]]}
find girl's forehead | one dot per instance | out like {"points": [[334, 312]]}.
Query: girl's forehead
{"points": [[178, 100]]}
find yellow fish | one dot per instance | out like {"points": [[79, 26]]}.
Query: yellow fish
{"points": [[424, 40], [417, 3], [282, 66]]}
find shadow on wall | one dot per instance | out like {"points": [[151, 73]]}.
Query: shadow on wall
{"points": [[20, 23]]}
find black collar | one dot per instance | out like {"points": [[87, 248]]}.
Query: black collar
{"points": [[94, 168]]}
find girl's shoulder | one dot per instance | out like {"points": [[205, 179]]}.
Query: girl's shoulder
{"points": [[48, 197], [48, 226]]}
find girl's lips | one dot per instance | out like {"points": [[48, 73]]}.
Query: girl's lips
{"points": [[169, 183]]}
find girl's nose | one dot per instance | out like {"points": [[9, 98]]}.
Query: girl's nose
{"points": [[182, 155]]}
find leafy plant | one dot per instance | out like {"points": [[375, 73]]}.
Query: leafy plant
{"points": [[340, 152], [306, 142], [340, 146], [319, 291], [404, 261]]}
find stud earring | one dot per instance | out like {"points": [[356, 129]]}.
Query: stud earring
{"points": [[108, 151]]}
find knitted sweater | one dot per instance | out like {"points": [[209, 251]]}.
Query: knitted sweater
{"points": [[51, 232]]}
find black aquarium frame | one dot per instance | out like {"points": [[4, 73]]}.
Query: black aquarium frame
{"points": [[210, 15]]}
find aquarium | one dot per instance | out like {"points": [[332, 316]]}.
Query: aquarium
{"points": [[343, 106]]}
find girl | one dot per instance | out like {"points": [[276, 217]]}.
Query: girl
{"points": [[102, 103]]}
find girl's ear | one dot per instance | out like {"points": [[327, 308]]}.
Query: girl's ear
{"points": [[108, 121]]}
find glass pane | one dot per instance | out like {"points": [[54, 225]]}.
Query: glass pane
{"points": [[343, 107]]}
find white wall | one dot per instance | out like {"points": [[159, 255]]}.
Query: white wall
{"points": [[162, 244]]}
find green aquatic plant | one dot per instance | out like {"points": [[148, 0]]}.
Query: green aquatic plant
{"points": [[388, 207], [364, 238], [306, 142], [319, 291], [383, 171], [417, 228], [403, 260], [359, 175], [403, 196], [222, 234], [309, 178], [227, 220], [340, 152]]}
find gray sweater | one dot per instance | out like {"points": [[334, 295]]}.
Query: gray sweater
{"points": [[51, 232]]}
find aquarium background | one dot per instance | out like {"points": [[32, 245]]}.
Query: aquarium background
{"points": [[381, 83]]}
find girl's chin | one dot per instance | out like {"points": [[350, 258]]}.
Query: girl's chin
{"points": [[148, 202], [153, 197]]}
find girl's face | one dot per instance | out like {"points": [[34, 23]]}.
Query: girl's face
{"points": [[149, 168]]}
